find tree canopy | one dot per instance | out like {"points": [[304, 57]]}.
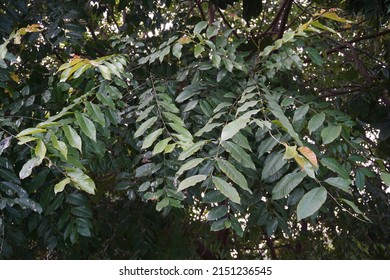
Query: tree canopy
{"points": [[220, 129]]}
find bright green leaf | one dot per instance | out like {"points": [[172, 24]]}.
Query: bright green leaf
{"points": [[73, 138], [191, 150], [59, 187], [144, 126], [232, 128], [191, 181], [161, 145], [86, 125], [226, 189], [149, 140], [189, 165]]}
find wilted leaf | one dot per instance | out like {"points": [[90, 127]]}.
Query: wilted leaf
{"points": [[310, 155]]}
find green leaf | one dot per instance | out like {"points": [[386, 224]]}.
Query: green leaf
{"points": [[30, 204], [232, 128], [183, 132], [199, 27], [239, 154], [300, 112], [73, 138], [311, 202], [189, 165], [113, 69], [213, 196], [105, 71], [60, 146], [81, 180], [162, 204], [267, 145], [279, 114], [59, 187], [211, 31], [96, 113], [176, 50], [273, 164], [333, 165], [147, 169], [314, 56], [226, 189], [198, 50], [360, 179], [287, 184], [161, 145], [105, 99], [191, 150], [30, 131], [207, 128], [28, 167], [40, 150], [330, 133], [233, 174], [341, 183], [228, 64], [86, 125], [217, 213], [385, 178], [144, 126], [191, 181], [149, 140], [236, 225], [242, 141], [353, 206]]}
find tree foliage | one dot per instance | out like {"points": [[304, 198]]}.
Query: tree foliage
{"points": [[196, 129]]}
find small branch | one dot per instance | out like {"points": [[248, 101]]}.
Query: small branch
{"points": [[348, 43], [270, 245], [200, 8], [228, 23]]}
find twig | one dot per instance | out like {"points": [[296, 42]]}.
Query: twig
{"points": [[228, 23]]}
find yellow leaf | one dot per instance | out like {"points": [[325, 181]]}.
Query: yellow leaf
{"points": [[14, 77], [185, 40], [300, 160], [335, 17], [291, 152], [310, 155]]}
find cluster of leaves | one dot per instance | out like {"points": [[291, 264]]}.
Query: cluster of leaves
{"points": [[191, 125]]}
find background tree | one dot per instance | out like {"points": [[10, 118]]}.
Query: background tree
{"points": [[194, 129]]}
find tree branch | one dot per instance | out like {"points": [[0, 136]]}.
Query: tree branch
{"points": [[348, 43], [284, 17], [199, 4], [270, 245]]}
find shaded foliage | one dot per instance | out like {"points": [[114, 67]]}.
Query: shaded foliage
{"points": [[173, 130]]}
